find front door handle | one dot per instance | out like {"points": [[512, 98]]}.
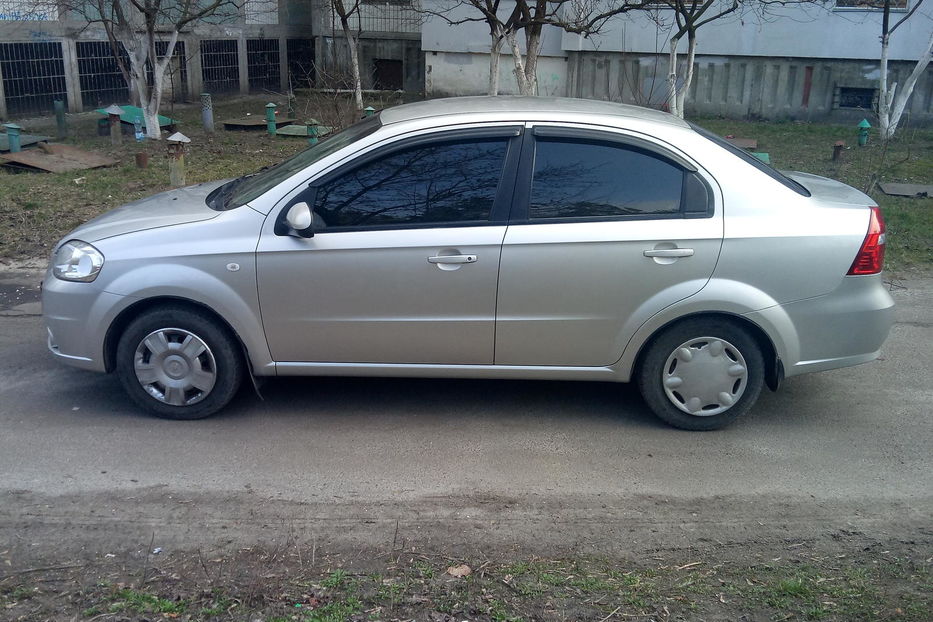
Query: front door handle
{"points": [[452, 259], [669, 252]]}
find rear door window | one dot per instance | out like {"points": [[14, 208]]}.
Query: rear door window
{"points": [[581, 179]]}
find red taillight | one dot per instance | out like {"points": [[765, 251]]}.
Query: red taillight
{"points": [[870, 258]]}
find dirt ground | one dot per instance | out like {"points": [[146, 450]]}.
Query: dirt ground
{"points": [[159, 555]]}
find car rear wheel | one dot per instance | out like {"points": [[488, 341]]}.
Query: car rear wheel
{"points": [[702, 374], [178, 364]]}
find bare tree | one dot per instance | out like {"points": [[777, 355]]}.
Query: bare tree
{"points": [[345, 10], [137, 26], [891, 102], [689, 16], [525, 23]]}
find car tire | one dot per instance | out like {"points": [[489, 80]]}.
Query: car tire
{"points": [[701, 374], [178, 363]]}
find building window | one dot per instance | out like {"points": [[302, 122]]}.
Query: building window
{"points": [[871, 5], [851, 97]]}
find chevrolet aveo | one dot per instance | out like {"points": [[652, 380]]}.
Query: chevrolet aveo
{"points": [[483, 238]]}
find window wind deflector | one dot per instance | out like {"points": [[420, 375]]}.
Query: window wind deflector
{"points": [[571, 133]]}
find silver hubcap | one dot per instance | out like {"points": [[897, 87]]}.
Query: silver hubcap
{"points": [[704, 376], [175, 367]]}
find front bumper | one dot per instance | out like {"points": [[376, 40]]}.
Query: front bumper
{"points": [[77, 316]]}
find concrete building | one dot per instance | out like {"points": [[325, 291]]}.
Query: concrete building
{"points": [[390, 44], [267, 46], [814, 62]]}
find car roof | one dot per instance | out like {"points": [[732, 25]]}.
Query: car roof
{"points": [[455, 106]]}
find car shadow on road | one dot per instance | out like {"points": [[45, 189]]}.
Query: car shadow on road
{"points": [[426, 398]]}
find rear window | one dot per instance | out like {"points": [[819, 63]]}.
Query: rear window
{"points": [[771, 172]]}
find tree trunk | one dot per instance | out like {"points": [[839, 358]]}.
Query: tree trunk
{"points": [[138, 52], [152, 105], [353, 46], [894, 106], [685, 87], [533, 47], [885, 94], [520, 76], [494, 55], [672, 78]]}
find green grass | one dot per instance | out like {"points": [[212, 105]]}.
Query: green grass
{"points": [[144, 602], [339, 611]]}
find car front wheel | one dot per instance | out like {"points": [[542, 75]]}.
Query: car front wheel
{"points": [[178, 364], [702, 374]]}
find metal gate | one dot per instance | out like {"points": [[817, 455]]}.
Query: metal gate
{"points": [[262, 65], [102, 82], [220, 68], [33, 76]]}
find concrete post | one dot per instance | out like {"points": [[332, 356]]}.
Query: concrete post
{"points": [[2, 96], [61, 126], [116, 132], [195, 76], [243, 65], [207, 113], [72, 79], [176, 163], [283, 65], [12, 136]]}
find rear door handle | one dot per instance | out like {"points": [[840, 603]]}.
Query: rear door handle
{"points": [[669, 252], [452, 259]]}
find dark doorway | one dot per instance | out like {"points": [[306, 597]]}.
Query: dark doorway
{"points": [[387, 74]]}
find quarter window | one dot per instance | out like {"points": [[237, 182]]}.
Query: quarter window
{"points": [[438, 182], [574, 179]]}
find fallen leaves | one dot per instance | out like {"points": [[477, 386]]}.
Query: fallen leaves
{"points": [[460, 571]]}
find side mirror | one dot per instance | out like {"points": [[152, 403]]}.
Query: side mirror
{"points": [[300, 220]]}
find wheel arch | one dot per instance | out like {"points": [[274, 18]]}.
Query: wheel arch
{"points": [[774, 368], [122, 320]]}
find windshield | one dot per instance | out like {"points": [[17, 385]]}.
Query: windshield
{"points": [[249, 187], [759, 164]]}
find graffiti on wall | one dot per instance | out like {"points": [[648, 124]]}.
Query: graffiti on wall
{"points": [[28, 11]]}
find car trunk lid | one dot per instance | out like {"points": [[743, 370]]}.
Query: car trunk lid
{"points": [[829, 190]]}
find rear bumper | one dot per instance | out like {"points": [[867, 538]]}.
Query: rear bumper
{"points": [[843, 328]]}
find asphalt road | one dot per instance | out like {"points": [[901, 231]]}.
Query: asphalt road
{"points": [[848, 447]]}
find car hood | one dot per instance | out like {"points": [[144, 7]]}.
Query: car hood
{"points": [[830, 190], [174, 207]]}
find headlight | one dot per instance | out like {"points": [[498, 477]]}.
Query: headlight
{"points": [[77, 261]]}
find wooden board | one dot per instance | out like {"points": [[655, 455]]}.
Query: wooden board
{"points": [[24, 141], [255, 122], [131, 112], [56, 159], [744, 143], [907, 190]]}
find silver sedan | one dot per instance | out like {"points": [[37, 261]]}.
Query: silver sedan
{"points": [[483, 238]]}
